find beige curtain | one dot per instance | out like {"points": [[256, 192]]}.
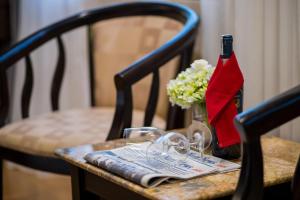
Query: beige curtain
{"points": [[33, 15], [266, 41]]}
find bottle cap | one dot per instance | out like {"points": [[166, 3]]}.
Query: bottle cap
{"points": [[226, 45]]}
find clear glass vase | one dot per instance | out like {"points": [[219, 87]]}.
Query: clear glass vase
{"points": [[199, 132], [199, 113]]}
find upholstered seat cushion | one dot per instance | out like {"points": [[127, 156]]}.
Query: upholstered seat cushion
{"points": [[43, 134]]}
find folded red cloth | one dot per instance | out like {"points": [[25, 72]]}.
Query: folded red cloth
{"points": [[225, 82]]}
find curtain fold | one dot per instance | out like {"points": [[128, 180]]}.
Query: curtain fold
{"points": [[266, 41]]}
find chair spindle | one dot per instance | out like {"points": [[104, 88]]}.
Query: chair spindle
{"points": [[128, 108], [90, 37], [58, 75], [175, 113], [4, 97], [27, 88], [153, 98], [248, 187], [123, 114]]}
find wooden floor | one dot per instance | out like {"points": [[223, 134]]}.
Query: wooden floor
{"points": [[22, 183]]}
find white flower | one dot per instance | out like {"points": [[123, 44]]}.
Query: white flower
{"points": [[199, 64], [190, 85]]}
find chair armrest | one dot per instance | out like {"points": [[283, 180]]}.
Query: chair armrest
{"points": [[269, 114]]}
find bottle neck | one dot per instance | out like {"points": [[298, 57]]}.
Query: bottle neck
{"points": [[226, 47], [225, 56]]}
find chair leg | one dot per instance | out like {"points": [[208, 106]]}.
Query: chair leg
{"points": [[296, 181], [1, 178]]}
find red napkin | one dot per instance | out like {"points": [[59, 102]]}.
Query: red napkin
{"points": [[225, 82]]}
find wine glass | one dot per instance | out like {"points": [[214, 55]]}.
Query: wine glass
{"points": [[167, 150], [199, 136], [141, 134]]}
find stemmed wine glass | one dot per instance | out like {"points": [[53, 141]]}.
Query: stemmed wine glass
{"points": [[141, 134], [168, 149], [199, 136]]}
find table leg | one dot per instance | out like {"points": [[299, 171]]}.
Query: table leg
{"points": [[78, 186], [1, 178]]}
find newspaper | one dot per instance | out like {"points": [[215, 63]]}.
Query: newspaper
{"points": [[131, 163]]}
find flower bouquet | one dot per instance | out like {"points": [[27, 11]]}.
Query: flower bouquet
{"points": [[188, 90], [190, 86]]}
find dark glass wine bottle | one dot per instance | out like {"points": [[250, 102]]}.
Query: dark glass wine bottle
{"points": [[233, 151]]}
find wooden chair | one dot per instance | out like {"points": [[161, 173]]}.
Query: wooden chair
{"points": [[31, 142], [252, 124]]}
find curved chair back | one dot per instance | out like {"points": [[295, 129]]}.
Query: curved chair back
{"points": [[181, 44], [255, 122]]}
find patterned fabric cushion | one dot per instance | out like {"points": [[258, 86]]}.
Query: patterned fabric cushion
{"points": [[122, 41], [42, 135]]}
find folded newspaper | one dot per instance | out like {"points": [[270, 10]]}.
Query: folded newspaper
{"points": [[131, 163]]}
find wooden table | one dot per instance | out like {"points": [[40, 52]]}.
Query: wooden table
{"points": [[280, 157]]}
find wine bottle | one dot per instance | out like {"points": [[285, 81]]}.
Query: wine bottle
{"points": [[233, 151]]}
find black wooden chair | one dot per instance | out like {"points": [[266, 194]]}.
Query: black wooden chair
{"points": [[32, 153], [251, 125]]}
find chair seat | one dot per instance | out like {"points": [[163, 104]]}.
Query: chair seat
{"points": [[43, 134]]}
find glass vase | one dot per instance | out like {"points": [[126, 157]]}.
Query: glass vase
{"points": [[199, 113], [199, 132]]}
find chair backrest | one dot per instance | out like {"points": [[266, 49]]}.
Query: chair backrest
{"points": [[181, 44], [121, 41], [255, 122]]}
